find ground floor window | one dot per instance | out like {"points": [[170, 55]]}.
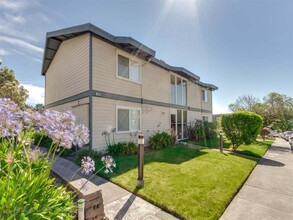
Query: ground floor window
{"points": [[128, 119], [205, 118]]}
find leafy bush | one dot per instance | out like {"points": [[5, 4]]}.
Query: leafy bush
{"points": [[160, 140], [130, 149], [202, 130], [85, 152], [264, 132], [26, 189], [241, 127], [40, 139], [122, 148]]}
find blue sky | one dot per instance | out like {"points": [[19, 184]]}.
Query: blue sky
{"points": [[241, 46]]}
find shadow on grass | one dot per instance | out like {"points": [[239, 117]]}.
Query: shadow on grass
{"points": [[172, 155], [248, 153], [261, 161]]}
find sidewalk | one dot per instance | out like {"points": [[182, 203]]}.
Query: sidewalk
{"points": [[118, 203], [268, 192]]}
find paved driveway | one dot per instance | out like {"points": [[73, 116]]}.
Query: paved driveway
{"points": [[268, 192]]}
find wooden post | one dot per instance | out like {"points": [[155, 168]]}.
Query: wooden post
{"points": [[140, 180], [221, 141]]}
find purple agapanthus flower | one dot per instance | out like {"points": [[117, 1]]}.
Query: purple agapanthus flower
{"points": [[81, 135], [88, 165], [109, 163], [10, 115]]}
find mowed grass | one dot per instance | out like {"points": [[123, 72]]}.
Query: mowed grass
{"points": [[190, 183], [256, 149]]}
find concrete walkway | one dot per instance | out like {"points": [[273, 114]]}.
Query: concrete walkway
{"points": [[268, 192], [118, 203]]}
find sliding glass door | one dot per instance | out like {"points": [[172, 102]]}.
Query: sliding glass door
{"points": [[181, 124]]}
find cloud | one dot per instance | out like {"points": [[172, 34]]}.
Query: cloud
{"points": [[12, 5], [36, 94], [14, 18], [36, 59], [4, 52], [21, 43], [18, 17]]}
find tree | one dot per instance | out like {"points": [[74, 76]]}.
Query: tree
{"points": [[10, 87], [275, 109], [279, 111], [241, 127], [244, 103]]}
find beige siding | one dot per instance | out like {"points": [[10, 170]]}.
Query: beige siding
{"points": [[193, 95], [104, 71], [155, 118], [79, 108], [104, 119], [156, 83], [68, 73], [208, 105], [192, 116]]}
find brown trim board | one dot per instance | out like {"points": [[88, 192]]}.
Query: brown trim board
{"points": [[108, 95]]}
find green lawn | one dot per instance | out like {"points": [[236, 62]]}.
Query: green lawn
{"points": [[256, 149], [193, 184]]}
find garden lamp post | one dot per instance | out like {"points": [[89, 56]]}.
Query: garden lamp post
{"points": [[140, 181], [221, 141]]}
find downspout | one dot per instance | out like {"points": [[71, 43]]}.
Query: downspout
{"points": [[91, 90]]}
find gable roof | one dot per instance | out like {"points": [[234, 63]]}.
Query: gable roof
{"points": [[128, 44]]}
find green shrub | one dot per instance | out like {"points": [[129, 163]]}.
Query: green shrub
{"points": [[26, 189], [202, 130], [130, 149], [160, 140], [241, 127], [41, 140], [122, 148], [85, 152]]}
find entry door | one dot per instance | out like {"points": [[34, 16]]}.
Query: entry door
{"points": [[181, 124]]}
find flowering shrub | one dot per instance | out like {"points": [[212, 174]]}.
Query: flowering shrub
{"points": [[26, 189]]}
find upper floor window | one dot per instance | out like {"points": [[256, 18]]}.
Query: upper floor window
{"points": [[173, 89], [178, 91], [204, 95], [128, 69]]}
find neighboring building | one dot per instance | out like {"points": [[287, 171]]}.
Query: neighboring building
{"points": [[116, 82], [216, 117]]}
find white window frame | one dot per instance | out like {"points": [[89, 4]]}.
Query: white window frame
{"points": [[131, 58], [176, 95], [206, 96], [128, 108]]}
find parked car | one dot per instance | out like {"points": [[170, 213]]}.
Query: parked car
{"points": [[273, 133], [287, 134]]}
